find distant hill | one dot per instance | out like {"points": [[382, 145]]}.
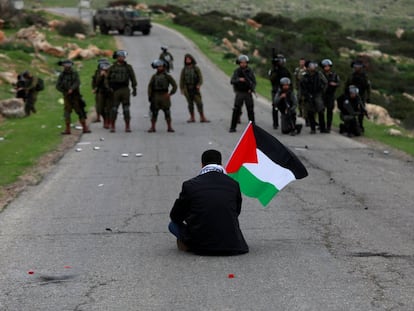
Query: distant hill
{"points": [[353, 14]]}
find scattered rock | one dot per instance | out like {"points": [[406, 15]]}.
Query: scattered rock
{"points": [[12, 108], [394, 132], [252, 23], [80, 36], [2, 37], [9, 77], [229, 46], [379, 115]]}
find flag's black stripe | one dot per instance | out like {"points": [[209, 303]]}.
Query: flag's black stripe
{"points": [[278, 152]]}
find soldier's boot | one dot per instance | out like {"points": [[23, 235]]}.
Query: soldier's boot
{"points": [[127, 127], [152, 128], [169, 128], [67, 128], [106, 123], [85, 128], [112, 126], [203, 119], [192, 119]]}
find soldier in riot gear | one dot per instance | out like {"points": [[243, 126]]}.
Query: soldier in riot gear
{"points": [[298, 74], [359, 78], [167, 57], [329, 96], [68, 84], [244, 85], [159, 93], [29, 88], [286, 102], [98, 99], [351, 107], [103, 92], [120, 76], [191, 80], [277, 72], [312, 86]]}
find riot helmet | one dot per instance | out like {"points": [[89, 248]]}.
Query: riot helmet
{"points": [[120, 53], [65, 63], [157, 63], [104, 65], [280, 59], [326, 62], [312, 65], [353, 89], [242, 58], [285, 81], [357, 64]]}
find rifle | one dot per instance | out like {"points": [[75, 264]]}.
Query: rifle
{"points": [[364, 110], [250, 83]]}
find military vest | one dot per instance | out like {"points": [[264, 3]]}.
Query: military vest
{"points": [[67, 80], [119, 74], [191, 76], [160, 83]]}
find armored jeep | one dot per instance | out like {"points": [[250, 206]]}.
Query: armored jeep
{"points": [[124, 20]]}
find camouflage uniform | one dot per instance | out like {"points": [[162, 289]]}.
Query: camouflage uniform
{"points": [[243, 90], [351, 108], [68, 84], [329, 96], [104, 96], [167, 58], [277, 72], [360, 79], [30, 83], [159, 97], [191, 80], [313, 86], [119, 76], [298, 74]]}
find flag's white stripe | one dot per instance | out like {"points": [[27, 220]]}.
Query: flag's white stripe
{"points": [[268, 171]]}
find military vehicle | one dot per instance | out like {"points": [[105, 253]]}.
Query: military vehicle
{"points": [[125, 20]]}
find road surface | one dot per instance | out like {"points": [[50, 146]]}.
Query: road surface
{"points": [[93, 234]]}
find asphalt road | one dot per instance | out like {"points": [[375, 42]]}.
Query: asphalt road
{"points": [[93, 234]]}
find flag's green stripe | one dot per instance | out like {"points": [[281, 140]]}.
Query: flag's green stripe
{"points": [[253, 187]]}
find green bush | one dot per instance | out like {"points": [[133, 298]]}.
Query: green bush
{"points": [[25, 48], [122, 3], [409, 121], [72, 27], [317, 26], [279, 21]]}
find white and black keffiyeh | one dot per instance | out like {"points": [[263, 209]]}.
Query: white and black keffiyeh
{"points": [[212, 168]]}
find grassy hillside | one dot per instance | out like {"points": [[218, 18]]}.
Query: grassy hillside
{"points": [[360, 14]]}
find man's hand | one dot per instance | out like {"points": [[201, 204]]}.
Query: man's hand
{"points": [[134, 92]]}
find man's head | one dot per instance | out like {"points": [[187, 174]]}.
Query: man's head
{"points": [[67, 64], [211, 157], [120, 55], [242, 61]]}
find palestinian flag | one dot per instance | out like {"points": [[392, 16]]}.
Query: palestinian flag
{"points": [[262, 165]]}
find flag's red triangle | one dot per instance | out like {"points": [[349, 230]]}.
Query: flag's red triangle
{"points": [[245, 151]]}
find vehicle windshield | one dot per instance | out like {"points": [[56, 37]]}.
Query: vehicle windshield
{"points": [[132, 14]]}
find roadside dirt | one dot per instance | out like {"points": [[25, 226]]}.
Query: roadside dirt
{"points": [[35, 174]]}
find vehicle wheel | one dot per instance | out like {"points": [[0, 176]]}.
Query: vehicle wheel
{"points": [[104, 29], [128, 30], [146, 32]]}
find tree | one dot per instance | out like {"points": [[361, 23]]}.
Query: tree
{"points": [[6, 8]]}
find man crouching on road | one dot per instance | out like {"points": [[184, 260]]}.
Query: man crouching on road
{"points": [[204, 218]]}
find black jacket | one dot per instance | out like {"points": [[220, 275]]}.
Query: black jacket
{"points": [[210, 205]]}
